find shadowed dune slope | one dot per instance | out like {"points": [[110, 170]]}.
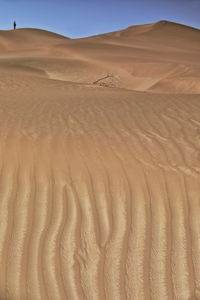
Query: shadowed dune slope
{"points": [[100, 166]]}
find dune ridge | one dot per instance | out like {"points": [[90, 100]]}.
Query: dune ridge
{"points": [[99, 167], [162, 57]]}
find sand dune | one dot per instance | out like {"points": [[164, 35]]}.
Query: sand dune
{"points": [[99, 164]]}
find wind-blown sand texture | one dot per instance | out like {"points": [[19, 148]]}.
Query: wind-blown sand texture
{"points": [[100, 165]]}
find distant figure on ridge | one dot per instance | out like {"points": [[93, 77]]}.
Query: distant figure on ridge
{"points": [[14, 25]]}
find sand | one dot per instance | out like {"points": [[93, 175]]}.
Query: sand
{"points": [[100, 165]]}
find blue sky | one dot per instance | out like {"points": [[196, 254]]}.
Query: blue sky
{"points": [[79, 18]]}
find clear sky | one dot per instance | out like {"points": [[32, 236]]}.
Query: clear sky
{"points": [[79, 18]]}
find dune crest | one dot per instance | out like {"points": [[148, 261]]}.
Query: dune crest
{"points": [[162, 57]]}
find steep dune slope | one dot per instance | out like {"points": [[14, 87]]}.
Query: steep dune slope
{"points": [[99, 184], [144, 53]]}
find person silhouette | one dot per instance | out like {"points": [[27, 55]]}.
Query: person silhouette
{"points": [[14, 25]]}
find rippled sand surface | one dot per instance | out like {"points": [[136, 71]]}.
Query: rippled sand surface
{"points": [[100, 165]]}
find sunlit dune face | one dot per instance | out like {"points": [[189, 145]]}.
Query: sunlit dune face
{"points": [[100, 164]]}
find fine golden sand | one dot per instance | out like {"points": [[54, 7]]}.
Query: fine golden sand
{"points": [[100, 165]]}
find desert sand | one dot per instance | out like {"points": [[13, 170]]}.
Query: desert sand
{"points": [[100, 165]]}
